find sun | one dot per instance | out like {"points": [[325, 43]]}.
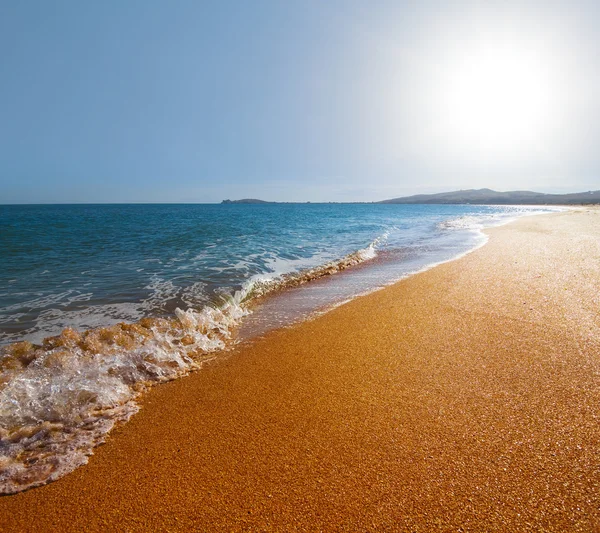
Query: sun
{"points": [[490, 98], [497, 99]]}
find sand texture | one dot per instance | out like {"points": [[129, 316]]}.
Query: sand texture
{"points": [[465, 398]]}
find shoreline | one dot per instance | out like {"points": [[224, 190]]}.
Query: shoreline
{"points": [[247, 331], [475, 407], [125, 359], [460, 238]]}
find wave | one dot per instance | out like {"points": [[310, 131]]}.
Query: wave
{"points": [[479, 221], [57, 311], [263, 285], [60, 399]]}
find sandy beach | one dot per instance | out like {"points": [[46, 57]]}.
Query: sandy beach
{"points": [[464, 398]]}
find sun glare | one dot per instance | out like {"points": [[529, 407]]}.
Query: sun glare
{"points": [[491, 97], [497, 99]]}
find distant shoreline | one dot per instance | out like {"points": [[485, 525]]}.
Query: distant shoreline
{"points": [[462, 197], [469, 197]]}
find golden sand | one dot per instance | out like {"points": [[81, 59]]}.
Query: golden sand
{"points": [[465, 398]]}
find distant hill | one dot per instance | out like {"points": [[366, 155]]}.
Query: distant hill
{"points": [[488, 196], [246, 201], [475, 196]]}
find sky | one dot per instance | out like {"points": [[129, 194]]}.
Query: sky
{"points": [[198, 101]]}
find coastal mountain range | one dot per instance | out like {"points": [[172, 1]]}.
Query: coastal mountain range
{"points": [[488, 196], [478, 196]]}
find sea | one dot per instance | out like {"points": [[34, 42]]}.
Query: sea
{"points": [[100, 302]]}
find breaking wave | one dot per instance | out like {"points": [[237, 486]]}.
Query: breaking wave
{"points": [[59, 399]]}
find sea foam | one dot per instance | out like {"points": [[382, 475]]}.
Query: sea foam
{"points": [[60, 399]]}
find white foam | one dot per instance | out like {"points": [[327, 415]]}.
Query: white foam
{"points": [[58, 401], [55, 408], [482, 220]]}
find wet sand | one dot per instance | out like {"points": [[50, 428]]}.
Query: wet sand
{"points": [[465, 398]]}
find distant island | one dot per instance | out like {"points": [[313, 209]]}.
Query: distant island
{"points": [[247, 201], [475, 196]]}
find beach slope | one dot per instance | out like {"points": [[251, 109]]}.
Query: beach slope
{"points": [[465, 398]]}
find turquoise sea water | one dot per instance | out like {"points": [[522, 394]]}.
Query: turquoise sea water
{"points": [[91, 265], [181, 278]]}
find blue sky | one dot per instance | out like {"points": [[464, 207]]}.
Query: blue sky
{"points": [[191, 101]]}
